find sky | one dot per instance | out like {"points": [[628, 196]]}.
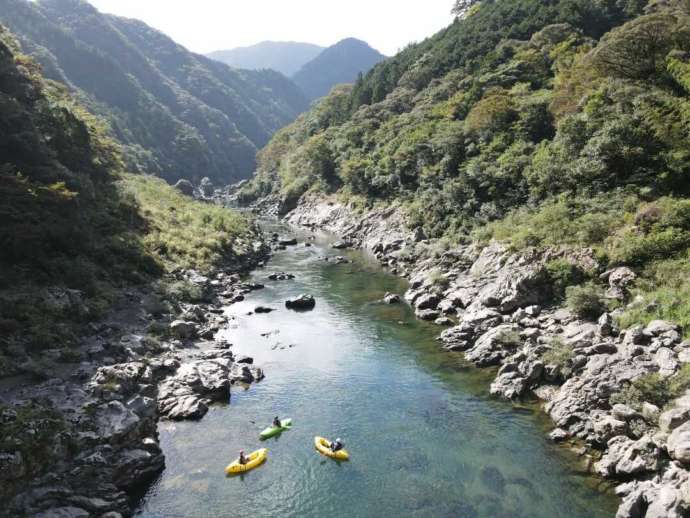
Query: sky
{"points": [[206, 25]]}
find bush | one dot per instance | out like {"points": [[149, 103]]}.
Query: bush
{"points": [[561, 274], [586, 300], [665, 289], [655, 389], [509, 339], [437, 279], [182, 291], [559, 354]]}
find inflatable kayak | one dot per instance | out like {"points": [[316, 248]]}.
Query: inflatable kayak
{"points": [[323, 446], [271, 431], [254, 460]]}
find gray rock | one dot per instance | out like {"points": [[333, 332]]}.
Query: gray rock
{"points": [[341, 245], [114, 421], [481, 320], [605, 323], [559, 435], [533, 311], [659, 327], [301, 303], [443, 321], [427, 314], [623, 412], [509, 385], [678, 445], [619, 279], [427, 301], [667, 362], [673, 418], [392, 298], [491, 347], [183, 330], [650, 412], [625, 457], [281, 276], [605, 427], [462, 297]]}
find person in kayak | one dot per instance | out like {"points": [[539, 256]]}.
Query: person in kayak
{"points": [[337, 445], [243, 460], [276, 422]]}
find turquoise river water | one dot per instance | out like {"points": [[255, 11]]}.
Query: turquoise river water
{"points": [[425, 437]]}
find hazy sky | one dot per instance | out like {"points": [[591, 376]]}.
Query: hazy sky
{"points": [[206, 25]]}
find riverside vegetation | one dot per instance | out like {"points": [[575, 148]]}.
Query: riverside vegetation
{"points": [[510, 172]]}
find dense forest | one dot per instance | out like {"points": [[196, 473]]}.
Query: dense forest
{"points": [[178, 114], [557, 123], [74, 227]]}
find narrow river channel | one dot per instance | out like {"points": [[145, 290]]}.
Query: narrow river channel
{"points": [[424, 436]]}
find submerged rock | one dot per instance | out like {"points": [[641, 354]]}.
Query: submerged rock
{"points": [[392, 298]]}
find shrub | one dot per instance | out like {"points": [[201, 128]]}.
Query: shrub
{"points": [[437, 279], [509, 339], [559, 354], [561, 274], [655, 389], [665, 288], [586, 300], [182, 291]]}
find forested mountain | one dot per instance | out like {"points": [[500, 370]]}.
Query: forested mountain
{"points": [[539, 123], [179, 115], [74, 227], [287, 57], [339, 63]]}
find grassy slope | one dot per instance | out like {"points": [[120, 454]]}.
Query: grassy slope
{"points": [[532, 133]]}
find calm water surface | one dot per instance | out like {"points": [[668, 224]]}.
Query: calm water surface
{"points": [[424, 436]]}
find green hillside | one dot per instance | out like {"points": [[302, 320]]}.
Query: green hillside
{"points": [[74, 228], [538, 123], [178, 114]]}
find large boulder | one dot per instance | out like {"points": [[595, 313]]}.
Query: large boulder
{"points": [[493, 346], [301, 303], [184, 330], [625, 457], [115, 422], [427, 301], [678, 445]]}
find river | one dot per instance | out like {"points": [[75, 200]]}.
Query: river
{"points": [[425, 437]]}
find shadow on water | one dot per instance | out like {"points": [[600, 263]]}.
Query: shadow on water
{"points": [[425, 438]]}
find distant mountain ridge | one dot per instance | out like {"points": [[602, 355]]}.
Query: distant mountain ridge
{"points": [[178, 114], [286, 57], [339, 63]]}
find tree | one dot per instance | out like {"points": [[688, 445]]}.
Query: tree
{"points": [[638, 49], [461, 7]]}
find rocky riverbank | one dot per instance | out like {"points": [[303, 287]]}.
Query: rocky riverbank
{"points": [[502, 312], [83, 441]]}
